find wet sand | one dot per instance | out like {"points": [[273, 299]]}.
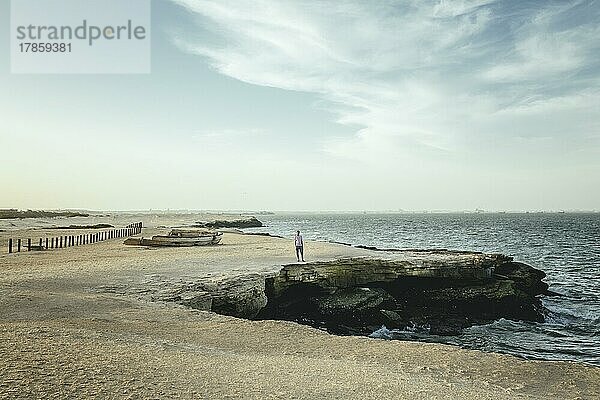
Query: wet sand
{"points": [[70, 327]]}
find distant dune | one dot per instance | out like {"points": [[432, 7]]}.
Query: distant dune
{"points": [[13, 213]]}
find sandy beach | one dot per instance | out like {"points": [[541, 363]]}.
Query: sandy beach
{"points": [[87, 322]]}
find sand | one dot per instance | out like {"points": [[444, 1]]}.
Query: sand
{"points": [[77, 323]]}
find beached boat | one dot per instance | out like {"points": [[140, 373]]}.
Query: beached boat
{"points": [[166, 240], [180, 238]]}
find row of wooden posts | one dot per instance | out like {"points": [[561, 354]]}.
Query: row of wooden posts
{"points": [[75, 240]]}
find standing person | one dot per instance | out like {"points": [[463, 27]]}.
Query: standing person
{"points": [[299, 242]]}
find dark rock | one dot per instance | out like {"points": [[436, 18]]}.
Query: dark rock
{"points": [[250, 222], [263, 234], [354, 300], [527, 278], [95, 226]]}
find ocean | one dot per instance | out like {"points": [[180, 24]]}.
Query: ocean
{"points": [[566, 246]]}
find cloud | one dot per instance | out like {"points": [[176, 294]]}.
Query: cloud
{"points": [[412, 74]]}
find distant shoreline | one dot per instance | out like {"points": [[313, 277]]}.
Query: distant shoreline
{"points": [[22, 214]]}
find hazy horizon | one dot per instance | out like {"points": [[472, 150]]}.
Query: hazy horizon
{"points": [[257, 212], [253, 105]]}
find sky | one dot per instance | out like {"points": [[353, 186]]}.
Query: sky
{"points": [[320, 105]]}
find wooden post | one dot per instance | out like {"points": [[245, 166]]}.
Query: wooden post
{"points": [[29, 244], [60, 244], [41, 244], [46, 243], [52, 243], [10, 245], [18, 245]]}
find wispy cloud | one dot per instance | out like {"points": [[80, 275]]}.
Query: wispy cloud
{"points": [[415, 74]]}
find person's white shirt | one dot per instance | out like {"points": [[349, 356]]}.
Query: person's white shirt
{"points": [[298, 240]]}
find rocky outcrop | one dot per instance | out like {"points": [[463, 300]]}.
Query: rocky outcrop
{"points": [[250, 222], [441, 291]]}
